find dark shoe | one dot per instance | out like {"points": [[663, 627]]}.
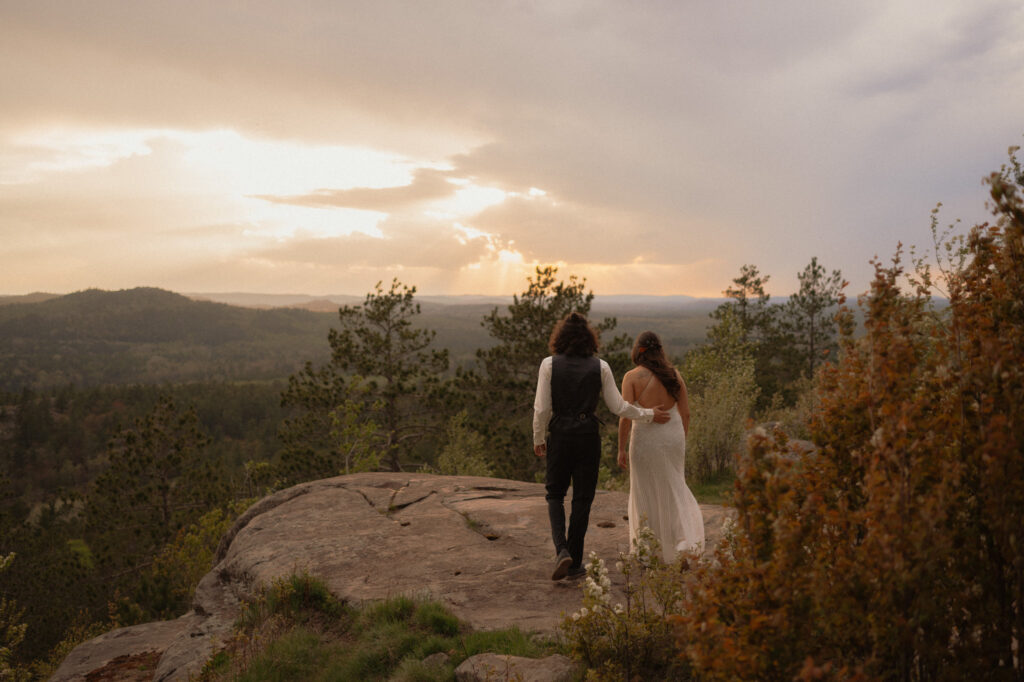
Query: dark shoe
{"points": [[576, 573], [562, 564]]}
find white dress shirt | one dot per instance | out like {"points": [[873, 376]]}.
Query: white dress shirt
{"points": [[609, 392]]}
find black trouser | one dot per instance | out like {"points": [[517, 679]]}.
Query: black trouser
{"points": [[571, 458]]}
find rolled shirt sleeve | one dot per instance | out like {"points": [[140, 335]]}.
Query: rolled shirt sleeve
{"points": [[613, 399], [542, 403]]}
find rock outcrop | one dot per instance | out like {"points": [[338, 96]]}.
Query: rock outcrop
{"points": [[487, 667], [480, 546]]}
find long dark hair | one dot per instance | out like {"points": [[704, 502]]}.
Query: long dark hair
{"points": [[573, 336], [647, 352]]}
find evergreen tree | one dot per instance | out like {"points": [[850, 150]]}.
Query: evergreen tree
{"points": [[159, 480], [808, 316], [749, 305], [757, 323], [379, 345]]}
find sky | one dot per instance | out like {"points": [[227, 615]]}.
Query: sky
{"points": [[652, 147]]}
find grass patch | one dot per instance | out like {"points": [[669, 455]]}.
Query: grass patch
{"points": [[715, 490], [296, 629]]}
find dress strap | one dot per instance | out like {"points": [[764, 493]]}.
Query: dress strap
{"points": [[644, 389]]}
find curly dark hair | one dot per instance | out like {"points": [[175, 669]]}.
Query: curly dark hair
{"points": [[573, 336], [647, 352]]}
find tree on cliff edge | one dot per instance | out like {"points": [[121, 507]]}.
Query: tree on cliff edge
{"points": [[382, 370]]}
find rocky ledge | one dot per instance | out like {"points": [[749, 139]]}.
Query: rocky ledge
{"points": [[481, 546]]}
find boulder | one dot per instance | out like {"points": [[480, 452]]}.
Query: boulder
{"points": [[494, 667], [480, 546]]}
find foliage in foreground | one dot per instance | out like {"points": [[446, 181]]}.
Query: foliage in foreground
{"points": [[296, 629], [893, 551], [630, 640]]}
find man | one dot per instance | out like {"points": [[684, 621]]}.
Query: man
{"points": [[567, 432]]}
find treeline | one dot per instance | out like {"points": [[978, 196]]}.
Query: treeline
{"points": [[56, 440], [152, 336]]}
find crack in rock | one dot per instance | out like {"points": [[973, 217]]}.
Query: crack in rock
{"points": [[366, 497], [398, 507], [471, 523]]}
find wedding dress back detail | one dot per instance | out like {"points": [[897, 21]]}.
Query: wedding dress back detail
{"points": [[658, 495]]}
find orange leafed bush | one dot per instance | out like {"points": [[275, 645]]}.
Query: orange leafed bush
{"points": [[894, 549]]}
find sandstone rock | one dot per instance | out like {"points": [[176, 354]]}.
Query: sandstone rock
{"points": [[496, 667], [480, 546], [115, 646], [436, 660]]}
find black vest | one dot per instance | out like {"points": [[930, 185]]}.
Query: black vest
{"points": [[575, 388]]}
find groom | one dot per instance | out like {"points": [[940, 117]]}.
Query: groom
{"points": [[567, 432]]}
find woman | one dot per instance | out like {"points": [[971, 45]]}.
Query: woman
{"points": [[566, 432], [658, 495]]}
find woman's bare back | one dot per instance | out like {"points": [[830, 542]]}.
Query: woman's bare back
{"points": [[641, 387]]}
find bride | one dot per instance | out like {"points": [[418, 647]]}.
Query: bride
{"points": [[658, 495]]}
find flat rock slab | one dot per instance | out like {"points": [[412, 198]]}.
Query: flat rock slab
{"points": [[480, 546], [493, 667]]}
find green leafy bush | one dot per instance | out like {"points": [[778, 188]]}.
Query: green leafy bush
{"points": [[631, 640], [463, 454], [722, 391], [296, 629]]}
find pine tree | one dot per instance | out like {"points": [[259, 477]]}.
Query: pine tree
{"points": [[749, 304], [758, 323], [379, 346], [158, 481], [808, 316]]}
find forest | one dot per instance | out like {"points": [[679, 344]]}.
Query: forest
{"points": [[887, 549]]}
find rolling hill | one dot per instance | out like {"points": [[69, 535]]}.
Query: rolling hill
{"points": [[148, 335]]}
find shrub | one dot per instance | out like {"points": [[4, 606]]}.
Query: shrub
{"points": [[722, 391], [892, 551], [463, 454], [632, 640]]}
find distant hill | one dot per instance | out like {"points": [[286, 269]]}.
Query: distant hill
{"points": [[149, 335], [36, 297]]}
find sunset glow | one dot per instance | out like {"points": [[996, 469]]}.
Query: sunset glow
{"points": [[458, 148]]}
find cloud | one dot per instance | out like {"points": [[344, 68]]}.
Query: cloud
{"points": [[427, 184], [403, 244], [664, 134]]}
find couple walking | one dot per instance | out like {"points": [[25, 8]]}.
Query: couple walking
{"points": [[654, 417]]}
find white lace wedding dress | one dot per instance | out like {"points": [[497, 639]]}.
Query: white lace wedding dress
{"points": [[658, 495]]}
